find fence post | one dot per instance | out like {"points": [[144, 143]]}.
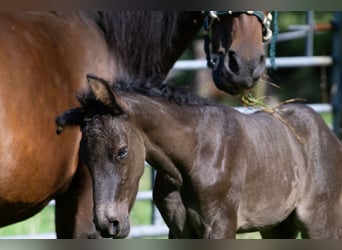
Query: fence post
{"points": [[310, 33], [153, 216], [156, 218], [336, 88]]}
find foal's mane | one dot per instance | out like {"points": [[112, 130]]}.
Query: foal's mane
{"points": [[150, 88], [163, 90]]}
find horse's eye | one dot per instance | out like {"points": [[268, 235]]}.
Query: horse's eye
{"points": [[122, 153]]}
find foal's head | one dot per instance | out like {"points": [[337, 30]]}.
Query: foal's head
{"points": [[107, 146]]}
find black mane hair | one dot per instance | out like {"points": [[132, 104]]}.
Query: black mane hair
{"points": [[166, 91], [153, 89], [141, 40]]}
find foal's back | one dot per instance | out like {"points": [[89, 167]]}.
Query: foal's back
{"points": [[293, 170]]}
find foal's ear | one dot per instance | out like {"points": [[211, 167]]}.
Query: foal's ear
{"points": [[71, 117], [104, 93]]}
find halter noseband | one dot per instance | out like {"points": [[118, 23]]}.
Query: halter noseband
{"points": [[265, 21]]}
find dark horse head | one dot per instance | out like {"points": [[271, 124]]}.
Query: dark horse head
{"points": [[237, 56], [106, 146]]}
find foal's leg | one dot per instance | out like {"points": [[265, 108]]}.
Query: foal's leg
{"points": [[320, 208], [221, 221], [287, 229], [320, 220], [74, 208], [171, 207]]}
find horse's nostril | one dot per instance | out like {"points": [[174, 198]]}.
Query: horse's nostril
{"points": [[114, 228], [259, 68], [262, 58], [233, 62]]}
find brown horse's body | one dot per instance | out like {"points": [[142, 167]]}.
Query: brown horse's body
{"points": [[219, 171], [37, 82], [44, 57]]}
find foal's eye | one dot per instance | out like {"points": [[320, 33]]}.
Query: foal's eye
{"points": [[122, 153]]}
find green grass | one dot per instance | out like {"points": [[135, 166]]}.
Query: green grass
{"points": [[43, 222], [142, 210], [327, 117]]}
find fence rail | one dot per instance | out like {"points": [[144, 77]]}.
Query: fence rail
{"points": [[280, 62]]}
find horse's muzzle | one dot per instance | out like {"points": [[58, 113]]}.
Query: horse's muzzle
{"points": [[112, 227], [114, 230], [232, 75]]}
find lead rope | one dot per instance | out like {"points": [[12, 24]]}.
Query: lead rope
{"points": [[272, 50], [206, 28]]}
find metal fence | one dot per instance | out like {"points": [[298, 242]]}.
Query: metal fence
{"points": [[158, 228]]}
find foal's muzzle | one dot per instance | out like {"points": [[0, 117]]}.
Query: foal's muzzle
{"points": [[112, 224], [114, 229]]}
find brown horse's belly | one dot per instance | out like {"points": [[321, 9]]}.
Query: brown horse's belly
{"points": [[31, 171], [43, 62]]}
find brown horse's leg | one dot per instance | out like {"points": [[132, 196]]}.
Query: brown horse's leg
{"points": [[287, 229], [74, 209]]}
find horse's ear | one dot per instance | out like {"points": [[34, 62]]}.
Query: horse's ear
{"points": [[71, 117], [104, 93]]}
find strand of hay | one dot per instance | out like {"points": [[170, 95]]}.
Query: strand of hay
{"points": [[249, 100]]}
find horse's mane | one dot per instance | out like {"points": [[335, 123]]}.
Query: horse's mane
{"points": [[138, 38], [153, 89], [166, 91]]}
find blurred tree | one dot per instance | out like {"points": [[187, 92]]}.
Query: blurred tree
{"points": [[303, 82]]}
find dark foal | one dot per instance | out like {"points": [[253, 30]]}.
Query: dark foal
{"points": [[219, 171]]}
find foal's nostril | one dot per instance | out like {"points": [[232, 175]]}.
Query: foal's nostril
{"points": [[233, 62]]}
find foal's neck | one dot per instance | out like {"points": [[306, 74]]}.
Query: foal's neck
{"points": [[169, 133]]}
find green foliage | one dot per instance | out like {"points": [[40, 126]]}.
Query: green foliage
{"points": [[303, 82]]}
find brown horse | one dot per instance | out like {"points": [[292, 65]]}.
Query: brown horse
{"points": [[219, 171], [44, 57]]}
